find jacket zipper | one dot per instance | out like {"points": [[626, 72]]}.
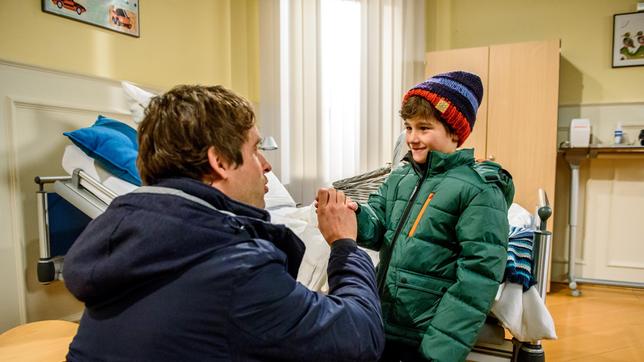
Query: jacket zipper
{"points": [[420, 214], [403, 219]]}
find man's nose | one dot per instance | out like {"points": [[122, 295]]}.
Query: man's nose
{"points": [[266, 166]]}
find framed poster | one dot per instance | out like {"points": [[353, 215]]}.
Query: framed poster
{"points": [[119, 15], [628, 39]]}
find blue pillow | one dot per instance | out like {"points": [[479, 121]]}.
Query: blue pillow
{"points": [[112, 144]]}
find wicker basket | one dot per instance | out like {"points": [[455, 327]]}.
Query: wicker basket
{"points": [[361, 186]]}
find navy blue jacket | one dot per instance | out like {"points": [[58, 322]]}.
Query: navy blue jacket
{"points": [[165, 278]]}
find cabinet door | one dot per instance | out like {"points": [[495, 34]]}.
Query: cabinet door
{"points": [[522, 115], [474, 60]]}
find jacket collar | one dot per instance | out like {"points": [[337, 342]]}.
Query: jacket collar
{"points": [[439, 162], [214, 197]]}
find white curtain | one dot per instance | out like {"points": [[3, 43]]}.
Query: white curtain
{"points": [[332, 75]]}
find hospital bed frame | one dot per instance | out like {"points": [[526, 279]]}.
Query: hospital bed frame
{"points": [[92, 198], [498, 348], [83, 192]]}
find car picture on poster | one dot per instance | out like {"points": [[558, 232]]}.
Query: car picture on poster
{"points": [[118, 15]]}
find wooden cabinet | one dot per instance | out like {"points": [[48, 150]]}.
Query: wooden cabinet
{"points": [[516, 124]]}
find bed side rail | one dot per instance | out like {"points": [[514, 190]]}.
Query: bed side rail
{"points": [[542, 244]]}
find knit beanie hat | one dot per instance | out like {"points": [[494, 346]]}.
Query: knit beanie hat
{"points": [[456, 96]]}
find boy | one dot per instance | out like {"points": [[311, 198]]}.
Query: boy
{"points": [[440, 224]]}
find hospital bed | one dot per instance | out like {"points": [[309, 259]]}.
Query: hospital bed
{"points": [[89, 188]]}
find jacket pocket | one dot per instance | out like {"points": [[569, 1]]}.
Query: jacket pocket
{"points": [[417, 297]]}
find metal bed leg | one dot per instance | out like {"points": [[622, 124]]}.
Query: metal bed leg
{"points": [[572, 227], [46, 270], [528, 352], [49, 269]]}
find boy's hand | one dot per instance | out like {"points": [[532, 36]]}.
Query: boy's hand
{"points": [[350, 203], [336, 218]]}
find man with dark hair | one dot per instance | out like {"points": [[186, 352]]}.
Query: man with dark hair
{"points": [[188, 267]]}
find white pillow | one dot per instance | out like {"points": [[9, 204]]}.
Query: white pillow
{"points": [[519, 217], [277, 195], [138, 99]]}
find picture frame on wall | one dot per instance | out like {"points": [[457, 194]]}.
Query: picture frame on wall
{"points": [[117, 15], [628, 39]]}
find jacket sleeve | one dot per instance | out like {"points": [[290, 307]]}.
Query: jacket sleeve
{"points": [[371, 219], [482, 231], [280, 319]]}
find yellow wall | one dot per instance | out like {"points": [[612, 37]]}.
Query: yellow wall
{"points": [[585, 28], [197, 41]]}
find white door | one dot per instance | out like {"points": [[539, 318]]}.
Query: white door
{"points": [[613, 237]]}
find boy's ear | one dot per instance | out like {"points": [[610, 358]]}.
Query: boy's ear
{"points": [[454, 138], [220, 167]]}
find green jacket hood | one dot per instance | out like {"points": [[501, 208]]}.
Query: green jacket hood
{"points": [[492, 172]]}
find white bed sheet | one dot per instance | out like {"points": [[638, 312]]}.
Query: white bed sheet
{"points": [[303, 221], [524, 314]]}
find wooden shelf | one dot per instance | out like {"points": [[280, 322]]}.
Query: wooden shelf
{"points": [[597, 151]]}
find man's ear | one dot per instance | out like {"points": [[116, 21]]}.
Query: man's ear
{"points": [[220, 167]]}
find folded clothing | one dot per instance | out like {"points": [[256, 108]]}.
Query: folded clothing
{"points": [[520, 262]]}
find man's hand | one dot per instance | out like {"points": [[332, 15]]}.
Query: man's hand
{"points": [[336, 215]]}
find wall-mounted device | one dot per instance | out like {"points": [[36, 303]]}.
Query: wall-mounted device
{"points": [[580, 132]]}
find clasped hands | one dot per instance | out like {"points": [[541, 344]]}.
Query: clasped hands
{"points": [[336, 215]]}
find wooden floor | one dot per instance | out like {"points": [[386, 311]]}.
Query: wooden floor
{"points": [[603, 324]]}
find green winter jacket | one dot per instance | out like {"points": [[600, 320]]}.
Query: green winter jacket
{"points": [[442, 236]]}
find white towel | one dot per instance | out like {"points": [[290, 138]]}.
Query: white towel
{"points": [[524, 314]]}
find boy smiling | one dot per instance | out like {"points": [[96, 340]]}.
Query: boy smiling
{"points": [[440, 224]]}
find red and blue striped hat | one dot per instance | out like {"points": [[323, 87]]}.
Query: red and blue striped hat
{"points": [[456, 96]]}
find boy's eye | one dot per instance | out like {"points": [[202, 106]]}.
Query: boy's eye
{"points": [[408, 128]]}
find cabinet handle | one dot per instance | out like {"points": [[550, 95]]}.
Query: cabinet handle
{"points": [[491, 158]]}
